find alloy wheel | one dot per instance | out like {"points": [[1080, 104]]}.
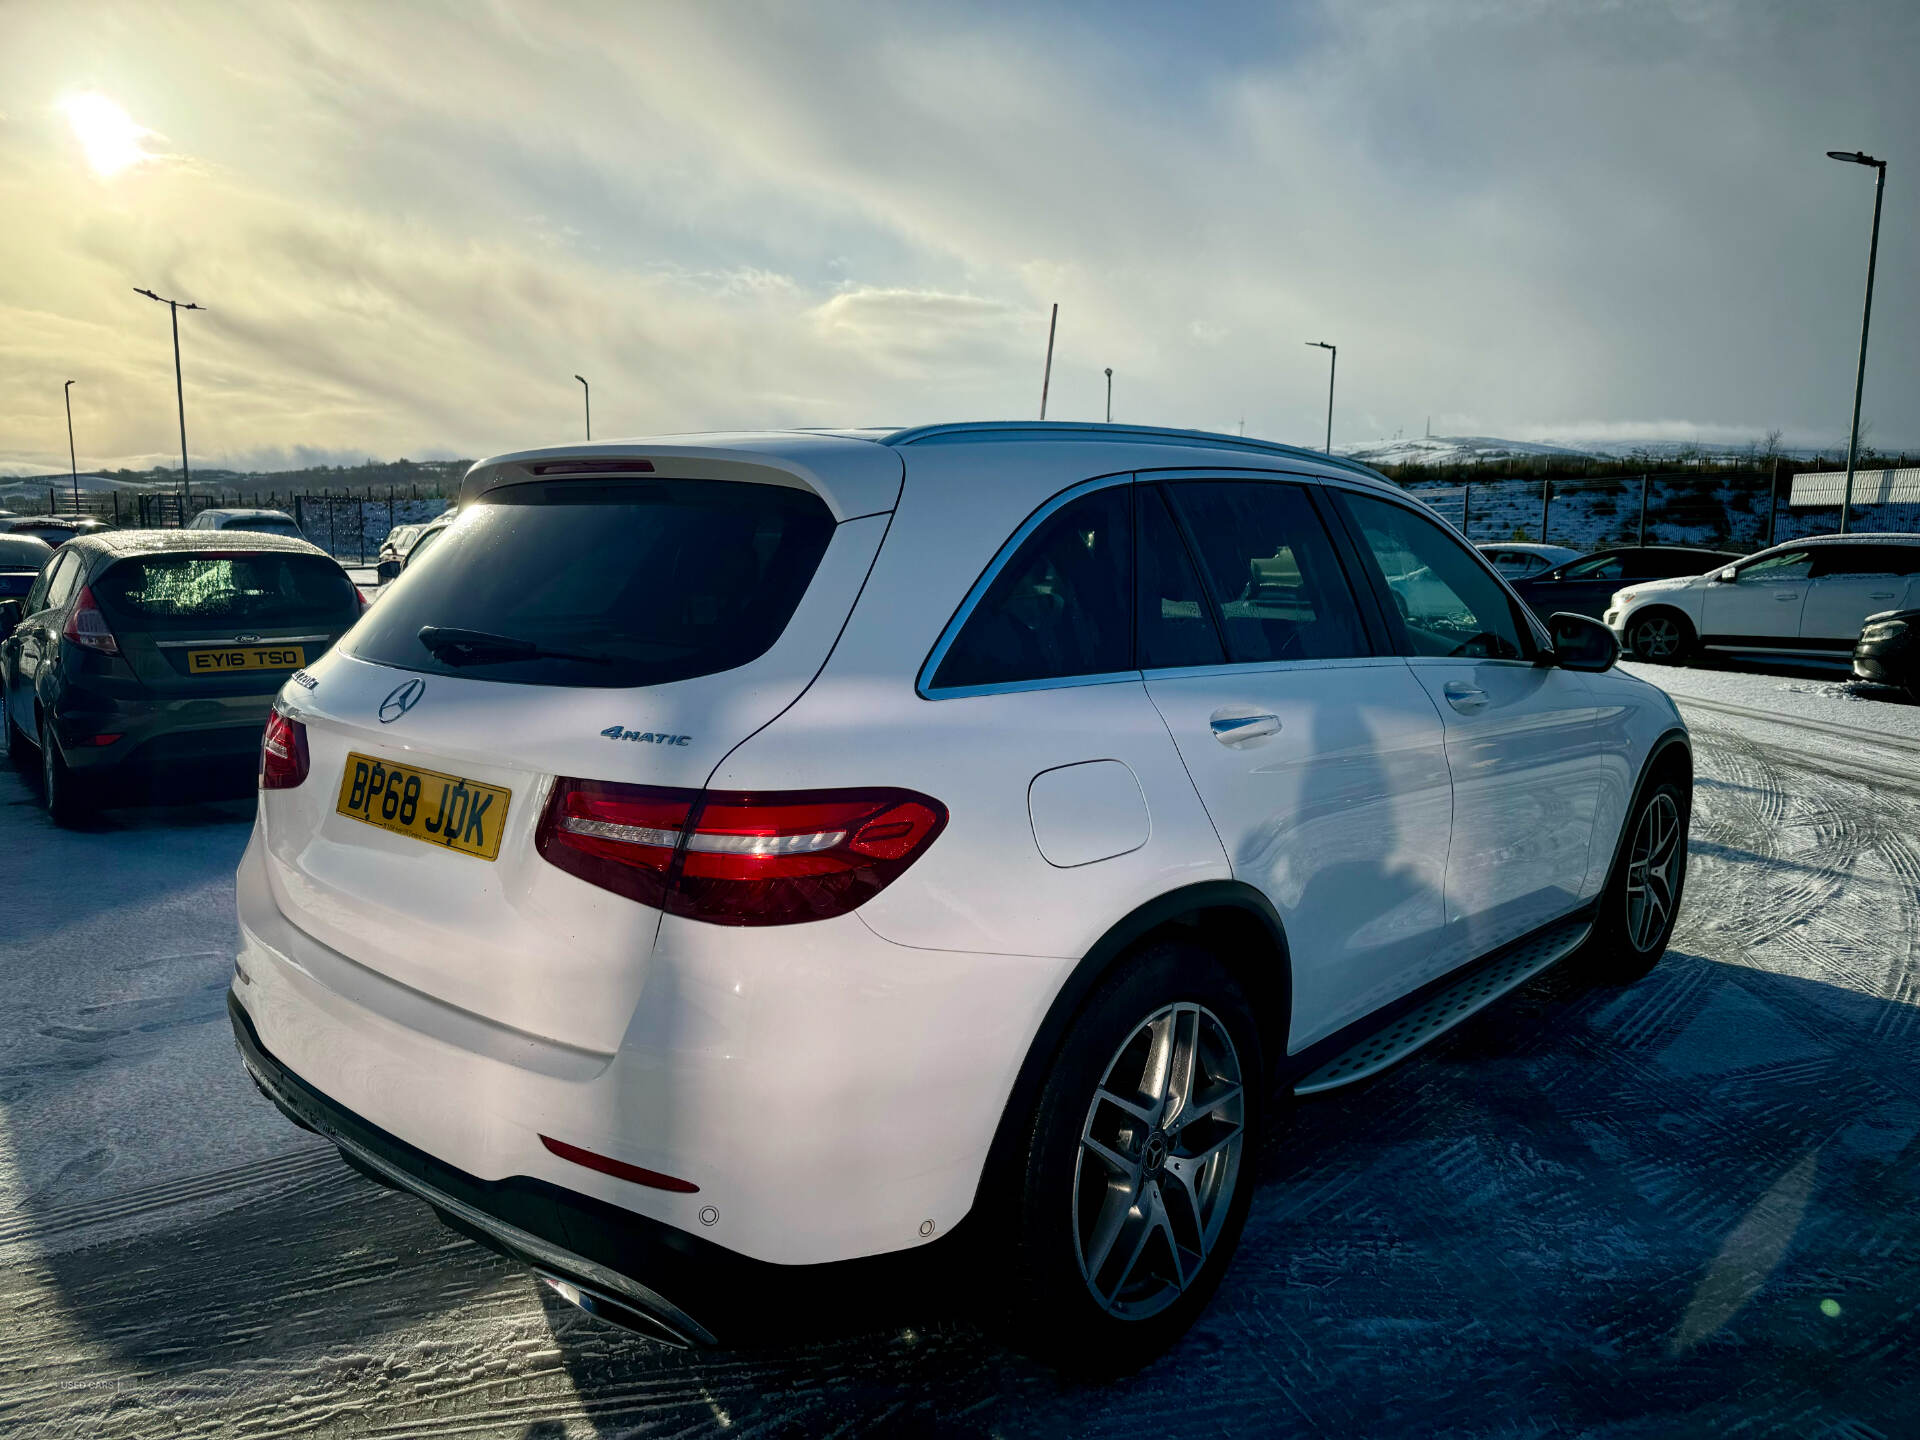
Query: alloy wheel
{"points": [[1656, 638], [1656, 844], [1159, 1159]]}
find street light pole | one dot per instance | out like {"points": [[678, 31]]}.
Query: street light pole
{"points": [[587, 395], [1333, 360], [174, 307], [72, 460], [1109, 394], [1856, 157], [1046, 376]]}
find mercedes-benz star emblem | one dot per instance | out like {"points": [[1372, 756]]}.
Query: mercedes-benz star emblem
{"points": [[401, 699]]}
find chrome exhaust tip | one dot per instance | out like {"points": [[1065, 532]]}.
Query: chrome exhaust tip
{"points": [[616, 1312]]}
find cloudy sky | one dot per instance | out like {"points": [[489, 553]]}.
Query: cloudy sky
{"points": [[413, 224]]}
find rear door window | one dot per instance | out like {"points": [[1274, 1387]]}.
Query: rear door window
{"points": [[266, 590], [1059, 608], [64, 580], [608, 585], [1270, 571], [1176, 627], [1866, 560]]}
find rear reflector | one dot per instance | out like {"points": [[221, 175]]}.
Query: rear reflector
{"points": [[737, 858], [283, 753], [620, 1169]]}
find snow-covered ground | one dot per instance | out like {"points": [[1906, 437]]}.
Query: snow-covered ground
{"points": [[1690, 1206]]}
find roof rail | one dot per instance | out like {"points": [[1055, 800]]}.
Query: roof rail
{"points": [[1142, 434]]}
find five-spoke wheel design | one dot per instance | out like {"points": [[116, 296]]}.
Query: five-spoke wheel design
{"points": [[1650, 871], [1159, 1160]]}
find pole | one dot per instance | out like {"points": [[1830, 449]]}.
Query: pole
{"points": [[1046, 377], [1646, 482], [587, 396], [1110, 395], [1466, 506], [1773, 510], [1333, 363], [1860, 371], [72, 462], [1546, 502], [180, 397]]}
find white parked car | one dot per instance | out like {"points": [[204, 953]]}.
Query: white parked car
{"points": [[269, 522], [737, 868], [1517, 559], [1805, 598]]}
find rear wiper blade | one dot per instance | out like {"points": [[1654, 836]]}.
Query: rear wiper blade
{"points": [[454, 646]]}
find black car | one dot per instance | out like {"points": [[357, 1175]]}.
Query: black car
{"points": [[1585, 585], [22, 557], [56, 530], [1888, 650], [142, 654]]}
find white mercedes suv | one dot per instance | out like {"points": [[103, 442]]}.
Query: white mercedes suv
{"points": [[732, 872]]}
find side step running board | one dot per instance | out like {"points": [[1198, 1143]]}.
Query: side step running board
{"points": [[1439, 1013]]}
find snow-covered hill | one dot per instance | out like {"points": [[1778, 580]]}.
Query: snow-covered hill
{"points": [[1485, 449]]}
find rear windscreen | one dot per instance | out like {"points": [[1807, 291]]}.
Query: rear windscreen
{"points": [[617, 584], [257, 592], [266, 526]]}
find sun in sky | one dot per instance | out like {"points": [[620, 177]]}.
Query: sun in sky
{"points": [[111, 138]]}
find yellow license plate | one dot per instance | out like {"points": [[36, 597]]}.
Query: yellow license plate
{"points": [[246, 657], [442, 810]]}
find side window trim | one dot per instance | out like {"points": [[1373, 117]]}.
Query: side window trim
{"points": [[923, 683]]}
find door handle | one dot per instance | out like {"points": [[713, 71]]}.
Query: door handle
{"points": [[1237, 729], [1790, 595], [1881, 595], [1465, 698]]}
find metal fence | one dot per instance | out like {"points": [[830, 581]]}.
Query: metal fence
{"points": [[348, 526], [1740, 510]]}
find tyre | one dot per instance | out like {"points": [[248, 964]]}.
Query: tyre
{"points": [[20, 751], [1642, 899], [63, 793], [1660, 637], [1134, 1181]]}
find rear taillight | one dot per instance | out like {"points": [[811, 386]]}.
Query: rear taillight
{"points": [[364, 601], [737, 858], [87, 626], [283, 753]]}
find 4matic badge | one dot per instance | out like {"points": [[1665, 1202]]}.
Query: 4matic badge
{"points": [[645, 737]]}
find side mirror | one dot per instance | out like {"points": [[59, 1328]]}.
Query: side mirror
{"points": [[1727, 576], [1581, 642], [12, 612]]}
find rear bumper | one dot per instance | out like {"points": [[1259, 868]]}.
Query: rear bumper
{"points": [[159, 735], [832, 1095], [592, 1246]]}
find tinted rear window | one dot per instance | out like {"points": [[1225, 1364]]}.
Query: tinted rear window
{"points": [[266, 527], [636, 583], [200, 592]]}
